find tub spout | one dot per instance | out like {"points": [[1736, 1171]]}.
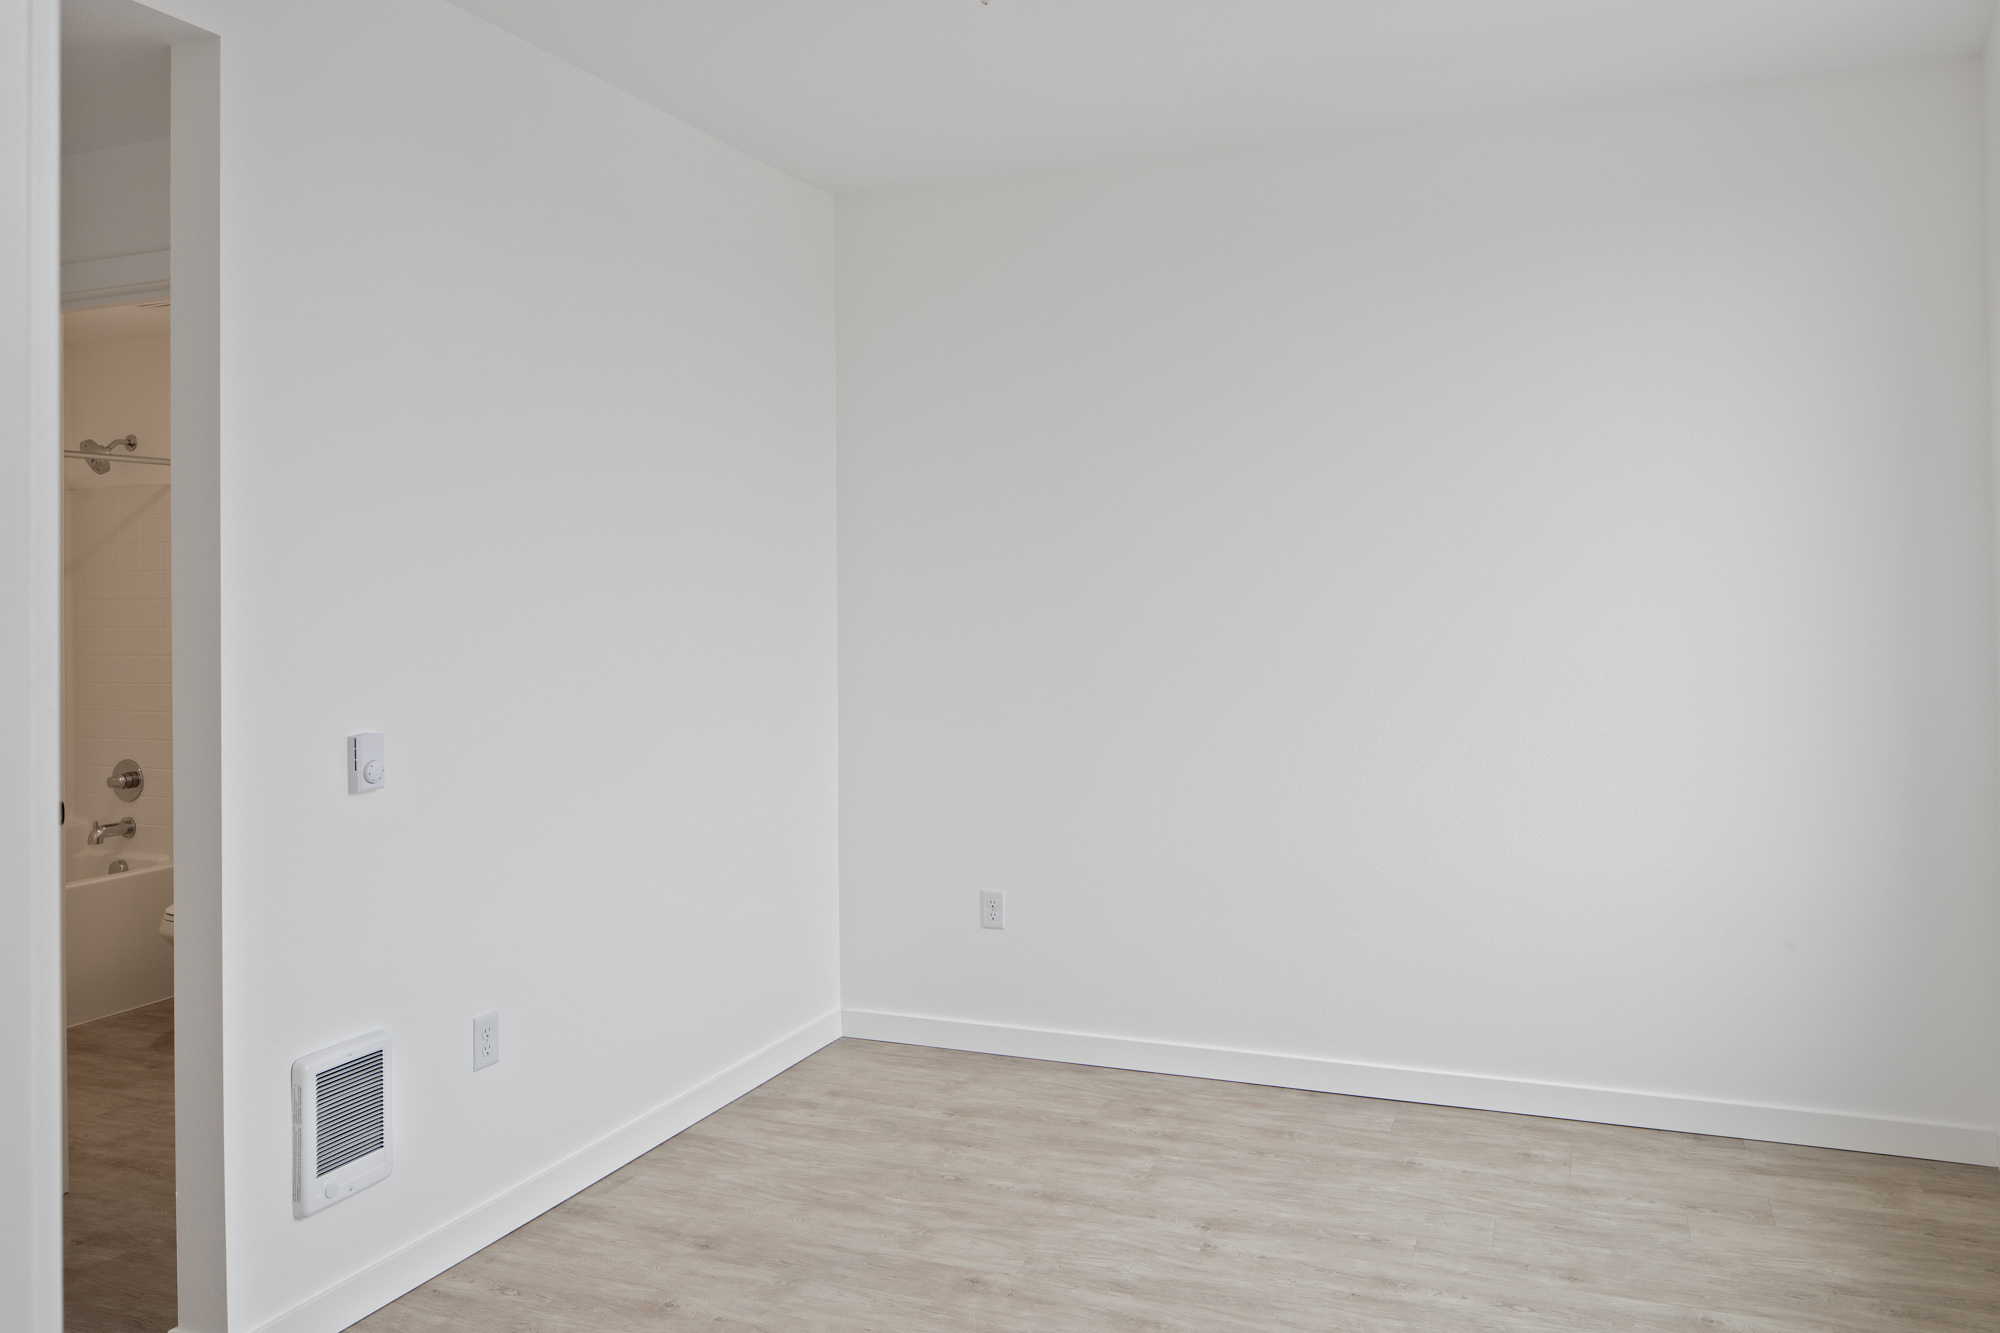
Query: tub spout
{"points": [[124, 828]]}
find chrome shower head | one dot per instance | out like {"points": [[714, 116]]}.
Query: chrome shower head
{"points": [[99, 466]]}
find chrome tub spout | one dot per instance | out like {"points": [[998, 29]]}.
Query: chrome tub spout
{"points": [[124, 828]]}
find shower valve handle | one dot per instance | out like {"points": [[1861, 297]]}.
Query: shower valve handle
{"points": [[127, 779]]}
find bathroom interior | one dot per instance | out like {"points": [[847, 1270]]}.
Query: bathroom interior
{"points": [[118, 700], [118, 815], [117, 687]]}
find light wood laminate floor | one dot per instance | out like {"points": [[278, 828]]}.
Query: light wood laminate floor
{"points": [[118, 1217], [899, 1189]]}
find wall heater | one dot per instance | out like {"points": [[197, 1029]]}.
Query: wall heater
{"points": [[340, 1122]]}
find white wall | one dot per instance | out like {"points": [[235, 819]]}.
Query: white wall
{"points": [[115, 201], [526, 459], [1510, 599], [115, 228]]}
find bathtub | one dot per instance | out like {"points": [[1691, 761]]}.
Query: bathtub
{"points": [[114, 957]]}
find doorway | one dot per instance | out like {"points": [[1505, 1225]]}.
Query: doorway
{"points": [[118, 872], [139, 676]]}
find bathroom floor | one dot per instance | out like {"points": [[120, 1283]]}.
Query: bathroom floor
{"points": [[118, 1217]]}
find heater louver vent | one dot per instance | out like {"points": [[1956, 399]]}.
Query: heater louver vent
{"points": [[350, 1112], [341, 1125]]}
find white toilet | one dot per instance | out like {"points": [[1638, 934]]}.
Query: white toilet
{"points": [[167, 923]]}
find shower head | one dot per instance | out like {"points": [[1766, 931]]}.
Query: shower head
{"points": [[98, 465]]}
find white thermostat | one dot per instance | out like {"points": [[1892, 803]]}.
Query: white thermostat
{"points": [[365, 771]]}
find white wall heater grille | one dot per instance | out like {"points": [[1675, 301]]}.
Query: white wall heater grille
{"points": [[340, 1122]]}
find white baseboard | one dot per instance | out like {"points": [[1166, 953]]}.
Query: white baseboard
{"points": [[367, 1291], [1771, 1124]]}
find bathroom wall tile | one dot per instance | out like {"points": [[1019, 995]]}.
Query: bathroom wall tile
{"points": [[91, 584], [117, 612], [158, 641], [109, 696], [154, 697], [89, 642], [90, 697], [118, 658]]}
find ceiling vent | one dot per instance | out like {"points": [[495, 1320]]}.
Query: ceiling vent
{"points": [[340, 1122]]}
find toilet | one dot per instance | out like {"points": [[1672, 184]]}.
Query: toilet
{"points": [[167, 923]]}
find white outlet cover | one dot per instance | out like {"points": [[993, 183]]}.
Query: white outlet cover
{"points": [[992, 909], [486, 1040]]}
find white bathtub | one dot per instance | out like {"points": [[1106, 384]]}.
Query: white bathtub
{"points": [[114, 957]]}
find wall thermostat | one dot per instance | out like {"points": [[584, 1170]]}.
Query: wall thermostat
{"points": [[365, 770]]}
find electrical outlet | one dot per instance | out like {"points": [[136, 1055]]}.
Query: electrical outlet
{"points": [[992, 909], [486, 1040]]}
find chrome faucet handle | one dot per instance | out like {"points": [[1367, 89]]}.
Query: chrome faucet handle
{"points": [[127, 779]]}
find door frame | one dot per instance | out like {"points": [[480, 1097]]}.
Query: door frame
{"points": [[195, 279], [31, 1013], [31, 996]]}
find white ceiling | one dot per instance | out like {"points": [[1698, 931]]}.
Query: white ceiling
{"points": [[859, 94], [114, 73]]}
